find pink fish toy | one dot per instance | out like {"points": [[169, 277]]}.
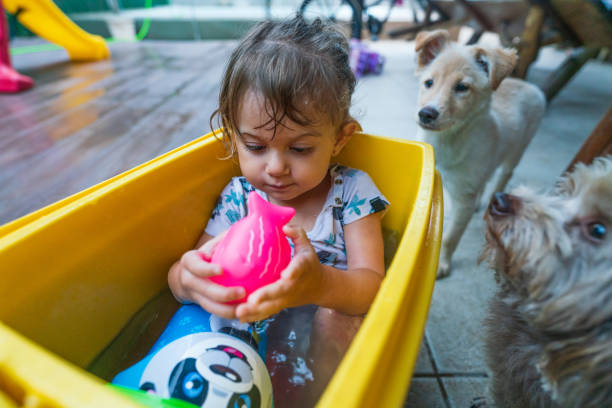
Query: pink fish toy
{"points": [[255, 249]]}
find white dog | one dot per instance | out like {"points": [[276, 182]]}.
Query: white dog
{"points": [[477, 124]]}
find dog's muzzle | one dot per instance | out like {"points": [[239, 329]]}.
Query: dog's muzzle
{"points": [[502, 205], [428, 115]]}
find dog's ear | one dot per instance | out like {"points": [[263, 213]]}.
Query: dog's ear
{"points": [[497, 63], [428, 45]]}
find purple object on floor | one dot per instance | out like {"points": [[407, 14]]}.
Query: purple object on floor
{"points": [[365, 61]]}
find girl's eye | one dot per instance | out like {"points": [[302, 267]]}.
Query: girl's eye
{"points": [[461, 87], [428, 83], [301, 149], [597, 231], [254, 147]]}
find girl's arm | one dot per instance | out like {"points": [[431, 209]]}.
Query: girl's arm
{"points": [[307, 281], [352, 291]]}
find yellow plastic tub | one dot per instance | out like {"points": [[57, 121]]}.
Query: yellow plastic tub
{"points": [[82, 279]]}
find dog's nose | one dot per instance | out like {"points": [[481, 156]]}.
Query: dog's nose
{"points": [[428, 114], [501, 204]]}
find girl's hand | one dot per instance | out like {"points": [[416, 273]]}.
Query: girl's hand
{"points": [[191, 275], [300, 283]]}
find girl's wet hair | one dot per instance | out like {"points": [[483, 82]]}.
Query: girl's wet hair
{"points": [[290, 64]]}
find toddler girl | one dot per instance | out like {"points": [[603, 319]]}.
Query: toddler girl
{"points": [[284, 106]]}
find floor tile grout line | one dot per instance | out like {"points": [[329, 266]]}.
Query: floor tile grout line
{"points": [[451, 375], [434, 366]]}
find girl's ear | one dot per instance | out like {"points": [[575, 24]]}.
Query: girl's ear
{"points": [[344, 135]]}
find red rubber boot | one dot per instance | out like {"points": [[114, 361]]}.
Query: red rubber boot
{"points": [[11, 81]]}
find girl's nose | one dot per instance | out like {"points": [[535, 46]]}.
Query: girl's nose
{"points": [[276, 165]]}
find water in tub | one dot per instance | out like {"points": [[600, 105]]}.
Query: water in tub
{"points": [[298, 375]]}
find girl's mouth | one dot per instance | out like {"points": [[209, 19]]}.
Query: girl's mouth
{"points": [[280, 187]]}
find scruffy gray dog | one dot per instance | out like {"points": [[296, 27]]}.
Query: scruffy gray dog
{"points": [[549, 339]]}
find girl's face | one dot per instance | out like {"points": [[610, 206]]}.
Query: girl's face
{"points": [[291, 162]]}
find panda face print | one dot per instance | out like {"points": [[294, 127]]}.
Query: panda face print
{"points": [[209, 370], [187, 384], [226, 366]]}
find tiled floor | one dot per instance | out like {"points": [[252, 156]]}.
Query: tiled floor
{"points": [[451, 370]]}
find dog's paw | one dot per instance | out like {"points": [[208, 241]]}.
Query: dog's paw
{"points": [[444, 270], [479, 402]]}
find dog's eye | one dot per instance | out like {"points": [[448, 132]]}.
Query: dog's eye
{"points": [[428, 83], [597, 230], [461, 87]]}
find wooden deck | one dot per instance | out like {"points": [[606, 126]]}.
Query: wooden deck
{"points": [[85, 122]]}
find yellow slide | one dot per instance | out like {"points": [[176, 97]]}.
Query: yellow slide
{"points": [[43, 18]]}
